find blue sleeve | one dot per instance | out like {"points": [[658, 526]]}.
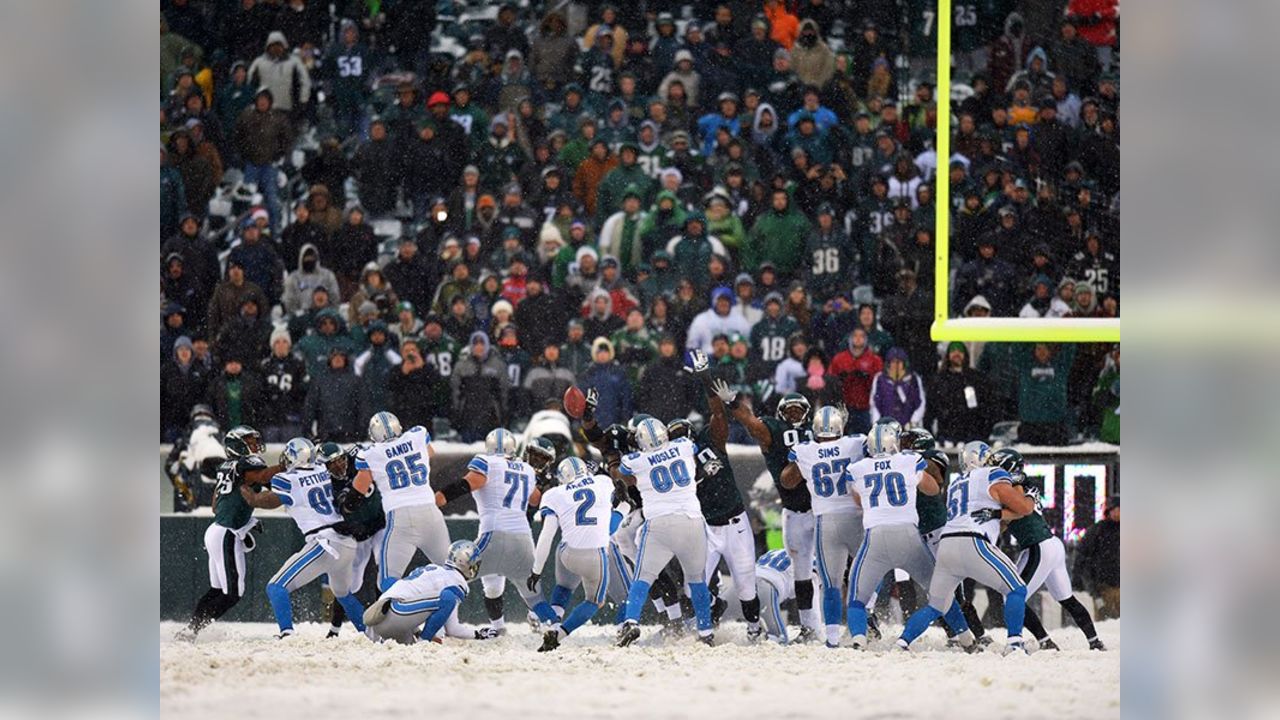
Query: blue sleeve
{"points": [[479, 465], [360, 463], [615, 520], [426, 434], [625, 468], [281, 485], [998, 476], [921, 464], [545, 511], [448, 601], [285, 498], [791, 456]]}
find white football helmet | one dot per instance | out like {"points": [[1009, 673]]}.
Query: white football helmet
{"points": [[384, 426], [500, 441], [570, 469], [974, 455], [465, 558], [828, 422], [883, 439], [299, 452], [650, 433]]}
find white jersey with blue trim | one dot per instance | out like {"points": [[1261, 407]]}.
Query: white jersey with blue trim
{"points": [[775, 567], [401, 469], [504, 497], [307, 496], [664, 477], [886, 488], [823, 466], [583, 509], [970, 492], [427, 583]]}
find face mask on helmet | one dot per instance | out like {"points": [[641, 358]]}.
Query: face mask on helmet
{"points": [[299, 452], [463, 557], [571, 469]]}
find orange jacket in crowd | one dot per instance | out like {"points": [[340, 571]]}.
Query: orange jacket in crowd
{"points": [[784, 27]]}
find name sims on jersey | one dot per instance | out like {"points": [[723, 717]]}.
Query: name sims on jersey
{"points": [[828, 452], [400, 449]]}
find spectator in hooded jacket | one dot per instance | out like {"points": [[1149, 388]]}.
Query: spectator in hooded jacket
{"points": [[960, 398], [245, 336], [856, 367], [261, 265], [283, 73], [608, 379], [183, 383], [262, 137], [719, 319], [897, 391], [285, 385], [329, 334], [811, 58], [480, 387], [548, 379], [377, 363], [337, 405], [350, 248], [302, 282], [778, 237], [1042, 392]]}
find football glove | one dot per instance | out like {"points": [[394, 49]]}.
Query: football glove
{"points": [[593, 399], [532, 582], [985, 514]]}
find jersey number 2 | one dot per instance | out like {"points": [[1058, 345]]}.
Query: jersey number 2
{"points": [[586, 499]]}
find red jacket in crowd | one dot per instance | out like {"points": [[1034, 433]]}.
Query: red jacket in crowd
{"points": [[855, 375]]}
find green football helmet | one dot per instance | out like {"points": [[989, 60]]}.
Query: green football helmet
{"points": [[242, 441], [1010, 461]]}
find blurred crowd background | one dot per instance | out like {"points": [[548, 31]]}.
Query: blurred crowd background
{"points": [[456, 210]]}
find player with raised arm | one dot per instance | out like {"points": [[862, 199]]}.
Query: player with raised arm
{"points": [[728, 527], [775, 584], [399, 464], [663, 470], [307, 495], [504, 487], [977, 500], [777, 436], [365, 522], [428, 597], [886, 485], [228, 538], [821, 464], [1042, 559], [581, 509]]}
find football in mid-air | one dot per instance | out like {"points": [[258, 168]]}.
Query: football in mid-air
{"points": [[575, 402]]}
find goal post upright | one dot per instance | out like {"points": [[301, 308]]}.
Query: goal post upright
{"points": [[982, 329]]}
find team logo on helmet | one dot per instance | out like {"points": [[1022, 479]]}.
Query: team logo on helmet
{"points": [[465, 558], [570, 469], [299, 452], [974, 455], [650, 434], [242, 441]]}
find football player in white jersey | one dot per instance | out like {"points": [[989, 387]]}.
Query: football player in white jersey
{"points": [[428, 597], [504, 487], [885, 485], [307, 495], [821, 464], [400, 464], [663, 471], [581, 508], [775, 584], [977, 500]]}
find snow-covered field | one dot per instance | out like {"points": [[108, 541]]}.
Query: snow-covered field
{"points": [[240, 670]]}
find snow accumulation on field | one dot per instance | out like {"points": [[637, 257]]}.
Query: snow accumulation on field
{"points": [[241, 671]]}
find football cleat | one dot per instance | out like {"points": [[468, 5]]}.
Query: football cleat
{"points": [[1014, 646], [754, 632], [807, 635], [859, 642], [1096, 644], [333, 632], [628, 633], [709, 639], [873, 626], [285, 634], [550, 640], [902, 645], [1049, 644], [186, 634]]}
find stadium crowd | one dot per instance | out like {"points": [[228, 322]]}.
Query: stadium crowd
{"points": [[455, 211]]}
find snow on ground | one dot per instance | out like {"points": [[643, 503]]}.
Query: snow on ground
{"points": [[241, 670]]}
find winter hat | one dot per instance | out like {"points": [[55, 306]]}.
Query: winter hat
{"points": [[895, 353], [367, 308], [772, 297], [957, 345], [744, 278], [977, 301], [721, 292], [683, 55], [601, 343], [183, 341], [281, 333], [502, 306], [437, 98]]}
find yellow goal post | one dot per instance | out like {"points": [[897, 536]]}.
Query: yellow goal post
{"points": [[946, 328]]}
